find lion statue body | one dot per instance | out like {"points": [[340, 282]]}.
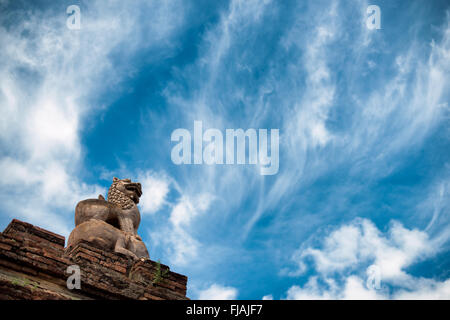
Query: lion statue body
{"points": [[112, 224]]}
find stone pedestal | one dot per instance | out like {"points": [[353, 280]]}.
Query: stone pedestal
{"points": [[34, 262]]}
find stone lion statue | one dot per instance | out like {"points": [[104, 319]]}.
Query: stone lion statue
{"points": [[112, 224]]}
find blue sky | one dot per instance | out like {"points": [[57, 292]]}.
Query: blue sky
{"points": [[364, 149]]}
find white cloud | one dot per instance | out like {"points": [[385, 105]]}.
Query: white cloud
{"points": [[183, 212], [177, 237], [218, 292], [361, 242], [268, 297], [155, 188], [345, 253], [310, 291], [187, 209], [434, 291], [353, 289]]}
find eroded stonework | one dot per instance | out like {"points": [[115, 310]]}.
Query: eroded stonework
{"points": [[104, 246], [34, 265]]}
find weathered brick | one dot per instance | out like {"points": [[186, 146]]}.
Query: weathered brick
{"points": [[34, 252]]}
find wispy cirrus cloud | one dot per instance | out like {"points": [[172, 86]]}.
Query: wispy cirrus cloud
{"points": [[346, 104], [181, 247], [50, 76]]}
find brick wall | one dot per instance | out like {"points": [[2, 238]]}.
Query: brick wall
{"points": [[33, 264]]}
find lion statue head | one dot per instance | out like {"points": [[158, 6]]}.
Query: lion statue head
{"points": [[124, 193]]}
